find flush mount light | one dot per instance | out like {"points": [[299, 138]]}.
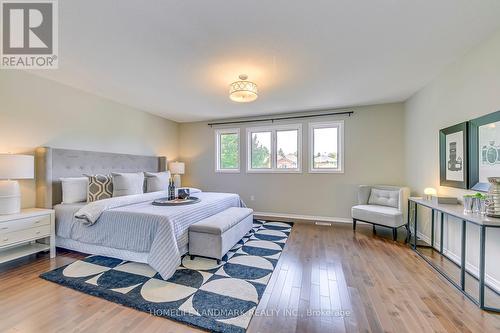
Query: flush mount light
{"points": [[243, 91]]}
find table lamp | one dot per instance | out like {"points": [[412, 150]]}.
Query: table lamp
{"points": [[177, 169], [13, 167], [429, 192]]}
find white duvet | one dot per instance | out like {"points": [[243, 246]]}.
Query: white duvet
{"points": [[91, 212]]}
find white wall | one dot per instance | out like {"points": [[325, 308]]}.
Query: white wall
{"points": [[38, 112], [467, 89], [373, 154]]}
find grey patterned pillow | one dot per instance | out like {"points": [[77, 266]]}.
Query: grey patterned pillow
{"points": [[100, 187]]}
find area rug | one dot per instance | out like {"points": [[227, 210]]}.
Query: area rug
{"points": [[216, 297]]}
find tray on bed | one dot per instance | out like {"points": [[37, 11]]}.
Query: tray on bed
{"points": [[175, 202]]}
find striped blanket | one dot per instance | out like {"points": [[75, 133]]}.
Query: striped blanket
{"points": [[137, 225]]}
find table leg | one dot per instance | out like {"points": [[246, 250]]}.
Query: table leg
{"points": [[462, 256], [408, 230], [432, 228], [415, 226], [482, 241], [441, 235], [52, 238]]}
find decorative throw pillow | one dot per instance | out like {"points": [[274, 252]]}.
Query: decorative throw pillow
{"points": [[384, 198], [100, 187], [157, 181], [127, 183], [74, 189]]}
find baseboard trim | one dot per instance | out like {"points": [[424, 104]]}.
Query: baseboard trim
{"points": [[301, 218]]}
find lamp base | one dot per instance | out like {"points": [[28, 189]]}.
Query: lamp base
{"points": [[10, 197], [177, 181]]}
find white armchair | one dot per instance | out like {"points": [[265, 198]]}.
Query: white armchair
{"points": [[383, 206]]}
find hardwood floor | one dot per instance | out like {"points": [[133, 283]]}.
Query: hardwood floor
{"points": [[381, 286]]}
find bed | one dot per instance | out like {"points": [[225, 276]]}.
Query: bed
{"points": [[127, 228]]}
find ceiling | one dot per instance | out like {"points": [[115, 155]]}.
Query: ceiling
{"points": [[177, 58]]}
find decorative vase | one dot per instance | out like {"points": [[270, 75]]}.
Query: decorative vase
{"points": [[183, 193], [483, 206], [493, 197], [468, 204], [476, 205]]}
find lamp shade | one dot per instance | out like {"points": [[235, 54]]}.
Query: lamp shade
{"points": [[430, 191], [177, 168], [17, 166]]}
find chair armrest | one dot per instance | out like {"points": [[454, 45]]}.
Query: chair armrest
{"points": [[364, 194]]}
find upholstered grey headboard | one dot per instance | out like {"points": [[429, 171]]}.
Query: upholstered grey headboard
{"points": [[51, 164]]}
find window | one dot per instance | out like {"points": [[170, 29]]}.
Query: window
{"points": [[274, 149], [287, 142], [260, 153], [227, 152], [326, 147]]}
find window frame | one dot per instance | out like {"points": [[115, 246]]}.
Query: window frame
{"points": [[218, 133], [339, 124], [274, 154]]}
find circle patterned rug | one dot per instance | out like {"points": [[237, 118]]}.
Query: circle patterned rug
{"points": [[217, 297]]}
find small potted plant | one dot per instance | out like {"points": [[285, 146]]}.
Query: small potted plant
{"points": [[468, 200], [479, 203]]}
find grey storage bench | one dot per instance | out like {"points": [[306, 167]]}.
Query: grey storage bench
{"points": [[214, 236]]}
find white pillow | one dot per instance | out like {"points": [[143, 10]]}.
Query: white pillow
{"points": [[74, 189], [127, 183], [384, 198], [157, 181]]}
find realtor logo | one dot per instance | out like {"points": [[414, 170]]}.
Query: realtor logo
{"points": [[29, 34]]}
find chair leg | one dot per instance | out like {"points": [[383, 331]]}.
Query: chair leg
{"points": [[374, 230], [354, 224], [394, 234]]}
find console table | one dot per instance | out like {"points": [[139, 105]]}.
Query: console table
{"points": [[456, 211]]}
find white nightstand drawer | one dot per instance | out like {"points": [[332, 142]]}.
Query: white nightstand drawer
{"points": [[21, 224], [24, 235]]}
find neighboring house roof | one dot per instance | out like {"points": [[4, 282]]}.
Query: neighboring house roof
{"points": [[291, 157], [288, 160], [324, 159]]}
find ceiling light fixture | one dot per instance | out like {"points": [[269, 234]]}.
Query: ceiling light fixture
{"points": [[243, 91]]}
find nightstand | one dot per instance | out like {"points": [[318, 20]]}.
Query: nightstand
{"points": [[20, 232]]}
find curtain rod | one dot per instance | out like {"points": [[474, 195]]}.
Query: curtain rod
{"points": [[349, 113]]}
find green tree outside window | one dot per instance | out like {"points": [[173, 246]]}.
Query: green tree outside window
{"points": [[260, 154], [229, 147]]}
